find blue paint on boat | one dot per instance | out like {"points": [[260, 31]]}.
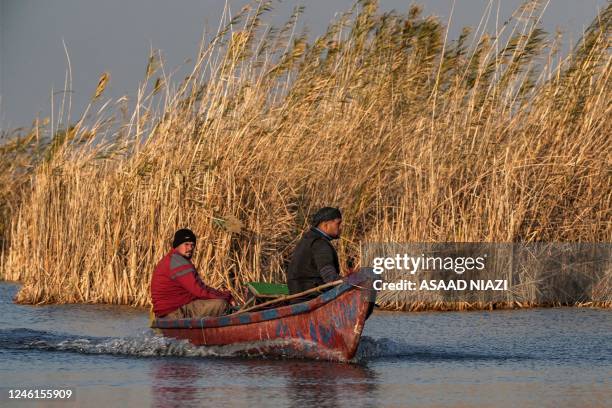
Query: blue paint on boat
{"points": [[224, 321], [350, 310], [281, 329], [337, 320], [313, 332], [300, 308], [326, 334], [269, 314], [329, 295]]}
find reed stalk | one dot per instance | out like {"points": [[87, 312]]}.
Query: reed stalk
{"points": [[484, 138]]}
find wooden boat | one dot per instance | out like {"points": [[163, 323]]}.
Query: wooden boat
{"points": [[327, 327]]}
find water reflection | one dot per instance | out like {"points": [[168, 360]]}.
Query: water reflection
{"points": [[174, 383], [199, 382], [321, 384]]}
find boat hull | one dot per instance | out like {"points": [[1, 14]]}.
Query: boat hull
{"points": [[328, 327]]}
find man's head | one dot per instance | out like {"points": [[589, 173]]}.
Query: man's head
{"points": [[328, 220], [184, 242]]}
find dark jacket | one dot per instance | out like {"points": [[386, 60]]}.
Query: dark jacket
{"points": [[314, 262]]}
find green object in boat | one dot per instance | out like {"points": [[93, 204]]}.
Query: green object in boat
{"points": [[265, 289]]}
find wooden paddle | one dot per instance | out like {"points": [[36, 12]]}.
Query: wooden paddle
{"points": [[289, 297]]}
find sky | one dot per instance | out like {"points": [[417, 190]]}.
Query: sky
{"points": [[116, 36]]}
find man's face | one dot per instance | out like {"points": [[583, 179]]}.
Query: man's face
{"points": [[186, 249], [333, 228]]}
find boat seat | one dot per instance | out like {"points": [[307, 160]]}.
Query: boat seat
{"points": [[265, 290]]}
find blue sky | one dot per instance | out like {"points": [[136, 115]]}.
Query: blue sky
{"points": [[116, 36]]}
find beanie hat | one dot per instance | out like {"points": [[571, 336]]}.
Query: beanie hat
{"points": [[183, 235], [325, 214]]}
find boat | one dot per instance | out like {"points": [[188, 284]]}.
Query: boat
{"points": [[327, 327]]}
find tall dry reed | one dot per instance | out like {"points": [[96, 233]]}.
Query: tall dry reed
{"points": [[416, 136]]}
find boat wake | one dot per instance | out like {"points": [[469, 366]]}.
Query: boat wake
{"points": [[146, 345], [384, 348], [150, 345]]}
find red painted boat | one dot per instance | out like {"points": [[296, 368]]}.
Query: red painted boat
{"points": [[327, 327]]}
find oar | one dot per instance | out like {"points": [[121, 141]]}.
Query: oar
{"points": [[289, 297]]}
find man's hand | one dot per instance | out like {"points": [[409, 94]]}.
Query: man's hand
{"points": [[351, 266], [227, 295]]}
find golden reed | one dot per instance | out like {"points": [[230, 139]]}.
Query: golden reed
{"points": [[416, 136]]}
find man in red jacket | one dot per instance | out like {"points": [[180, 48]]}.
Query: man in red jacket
{"points": [[176, 288]]}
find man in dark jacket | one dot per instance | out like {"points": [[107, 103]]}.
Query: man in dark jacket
{"points": [[177, 290], [315, 261]]}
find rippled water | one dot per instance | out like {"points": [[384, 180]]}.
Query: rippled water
{"points": [[543, 357]]}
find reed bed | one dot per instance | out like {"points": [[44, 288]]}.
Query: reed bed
{"points": [[417, 137]]}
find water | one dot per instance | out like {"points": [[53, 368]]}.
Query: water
{"points": [[539, 358]]}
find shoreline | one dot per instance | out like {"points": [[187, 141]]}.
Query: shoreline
{"points": [[393, 306]]}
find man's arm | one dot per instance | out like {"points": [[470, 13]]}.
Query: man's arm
{"points": [[324, 260], [183, 271]]}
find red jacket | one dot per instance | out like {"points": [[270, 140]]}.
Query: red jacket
{"points": [[176, 282]]}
